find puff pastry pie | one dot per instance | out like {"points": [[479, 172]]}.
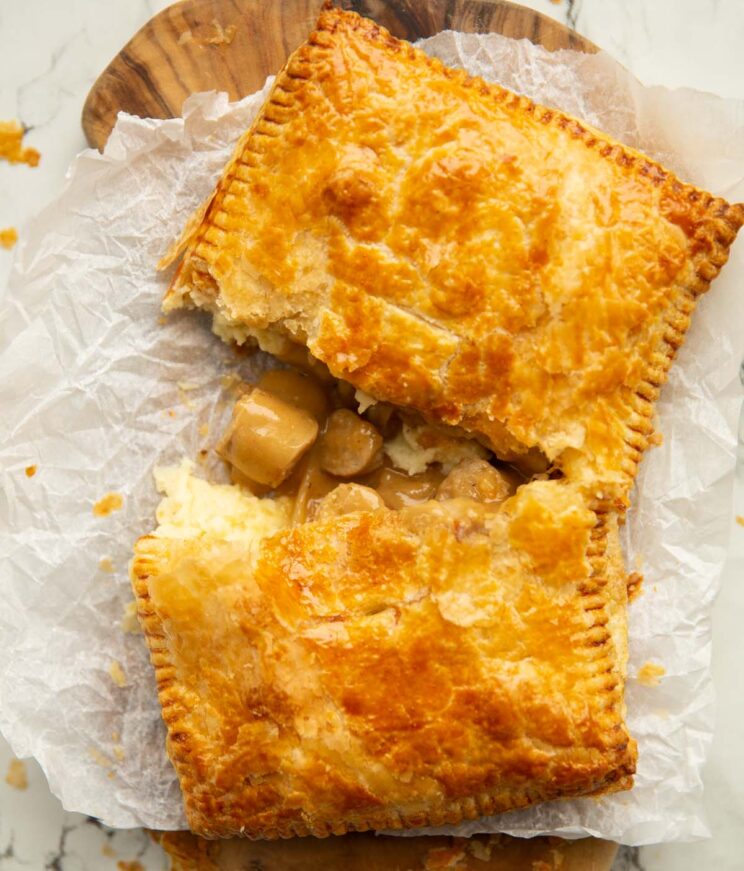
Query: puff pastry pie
{"points": [[388, 669], [448, 246], [326, 663]]}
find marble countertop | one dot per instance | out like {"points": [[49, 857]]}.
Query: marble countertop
{"points": [[52, 52]]}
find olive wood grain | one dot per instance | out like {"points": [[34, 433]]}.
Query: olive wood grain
{"points": [[232, 45], [368, 852]]}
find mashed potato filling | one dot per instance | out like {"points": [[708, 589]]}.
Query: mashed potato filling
{"points": [[193, 507]]}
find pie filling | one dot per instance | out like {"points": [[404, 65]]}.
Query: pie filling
{"points": [[322, 449]]}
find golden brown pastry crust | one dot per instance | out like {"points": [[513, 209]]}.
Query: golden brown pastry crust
{"points": [[390, 669], [367, 852], [446, 245]]}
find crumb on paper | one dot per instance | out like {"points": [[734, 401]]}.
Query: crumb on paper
{"points": [[17, 777], [162, 320], [8, 237], [171, 412], [656, 439], [185, 399], [107, 504], [108, 851], [204, 430], [117, 674], [105, 564], [650, 674], [129, 622], [118, 751], [129, 866], [11, 145], [187, 385], [30, 471], [635, 586], [99, 758], [740, 519], [232, 382]]}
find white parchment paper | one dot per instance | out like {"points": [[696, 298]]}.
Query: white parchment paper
{"points": [[96, 389]]}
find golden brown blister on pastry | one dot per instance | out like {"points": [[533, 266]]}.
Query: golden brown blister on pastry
{"points": [[390, 669], [448, 246]]}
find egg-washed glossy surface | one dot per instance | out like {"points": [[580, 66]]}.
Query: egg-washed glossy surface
{"points": [[448, 246], [391, 668]]}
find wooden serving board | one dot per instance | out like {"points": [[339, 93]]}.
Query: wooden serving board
{"points": [[233, 45]]}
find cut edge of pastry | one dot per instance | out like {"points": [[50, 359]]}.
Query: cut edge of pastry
{"points": [[710, 224]]}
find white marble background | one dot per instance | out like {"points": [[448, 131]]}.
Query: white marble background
{"points": [[51, 52]]}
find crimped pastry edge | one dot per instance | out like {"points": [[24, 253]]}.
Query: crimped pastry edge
{"points": [[599, 650], [716, 222]]}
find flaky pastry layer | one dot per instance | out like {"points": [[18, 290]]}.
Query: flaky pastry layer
{"points": [[446, 245], [392, 668]]}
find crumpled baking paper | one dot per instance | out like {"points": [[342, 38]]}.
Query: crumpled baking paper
{"points": [[96, 389]]}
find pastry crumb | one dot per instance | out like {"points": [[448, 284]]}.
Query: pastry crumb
{"points": [[118, 752], [31, 471], [17, 777], [105, 564], [117, 674], [11, 145], [129, 622], [635, 585], [219, 36], [162, 320], [99, 758], [204, 430], [222, 35], [107, 504], [130, 866], [656, 439], [740, 519], [650, 674], [233, 383], [8, 237], [108, 850]]}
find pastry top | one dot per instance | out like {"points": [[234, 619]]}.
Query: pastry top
{"points": [[390, 668], [448, 246]]}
